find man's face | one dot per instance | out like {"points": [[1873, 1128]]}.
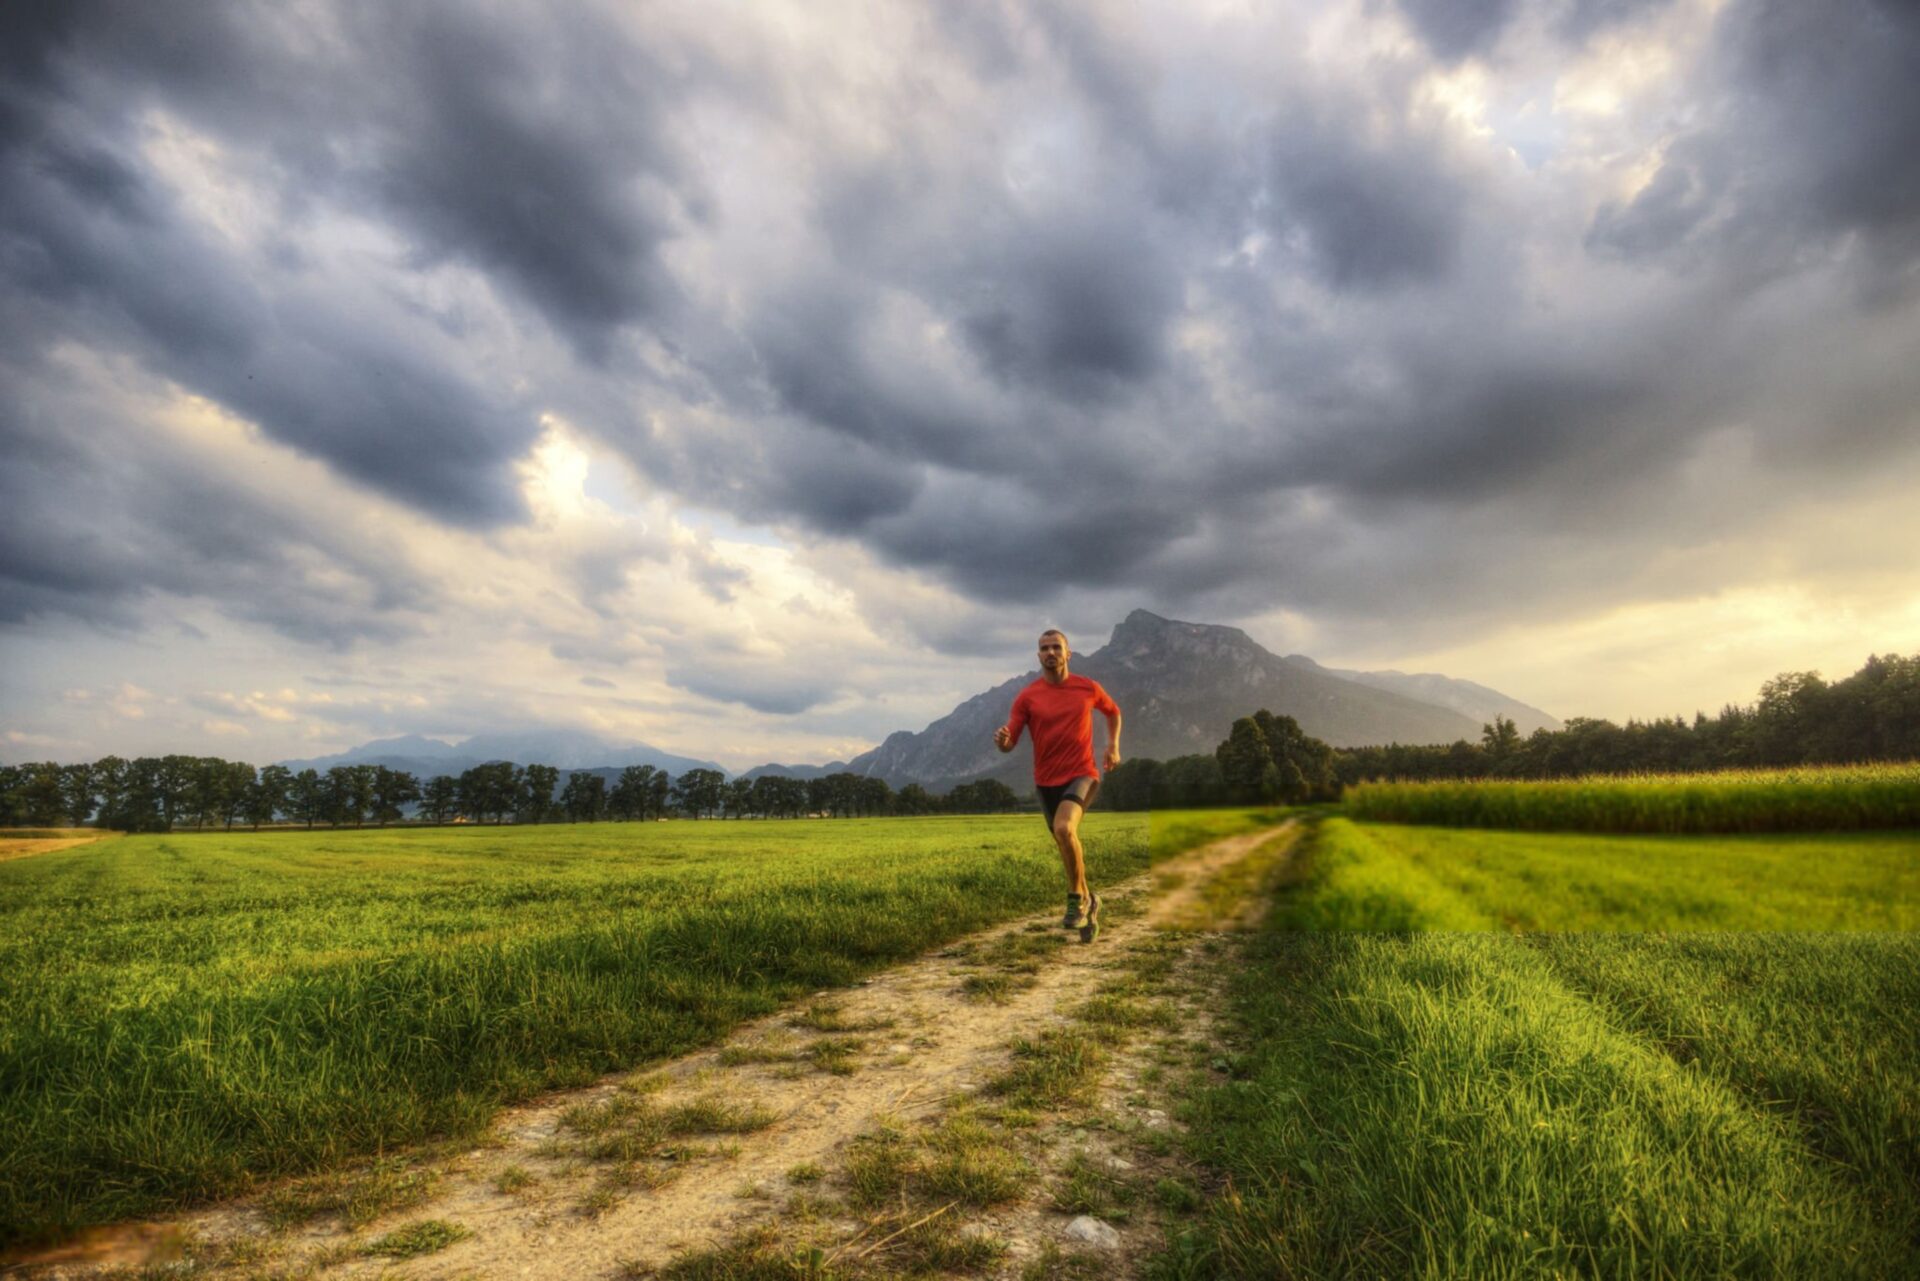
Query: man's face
{"points": [[1053, 652]]}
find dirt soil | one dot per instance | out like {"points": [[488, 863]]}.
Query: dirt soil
{"points": [[26, 847], [792, 1093]]}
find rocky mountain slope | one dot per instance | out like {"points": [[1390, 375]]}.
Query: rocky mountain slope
{"points": [[1474, 701], [1180, 686]]}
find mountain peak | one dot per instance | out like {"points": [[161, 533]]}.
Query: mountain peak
{"points": [[1142, 619], [1143, 632]]}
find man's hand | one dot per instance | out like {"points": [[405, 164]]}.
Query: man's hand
{"points": [[1003, 739], [1113, 757]]}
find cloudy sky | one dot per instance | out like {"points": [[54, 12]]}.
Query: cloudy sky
{"points": [[754, 379]]}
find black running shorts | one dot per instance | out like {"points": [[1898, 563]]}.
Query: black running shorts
{"points": [[1080, 791]]}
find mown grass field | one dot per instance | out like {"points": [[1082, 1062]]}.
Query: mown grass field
{"points": [[1490, 1054], [183, 1017], [1382, 877]]}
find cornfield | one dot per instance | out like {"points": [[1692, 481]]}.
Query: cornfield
{"points": [[1814, 798]]}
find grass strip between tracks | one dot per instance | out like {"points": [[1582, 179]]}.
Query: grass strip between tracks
{"points": [[1428, 1093]]}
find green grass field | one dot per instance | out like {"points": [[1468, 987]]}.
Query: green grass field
{"points": [[1480, 1053], [182, 1017], [1461, 1051], [1806, 798], [1382, 877]]}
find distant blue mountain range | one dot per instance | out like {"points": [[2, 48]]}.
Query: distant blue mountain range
{"points": [[563, 748]]}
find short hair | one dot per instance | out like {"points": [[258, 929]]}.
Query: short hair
{"points": [[1055, 631]]}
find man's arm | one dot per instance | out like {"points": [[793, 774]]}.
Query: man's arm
{"points": [[1007, 735], [1113, 735]]}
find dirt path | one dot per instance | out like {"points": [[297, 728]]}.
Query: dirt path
{"points": [[1183, 900], [769, 1142]]}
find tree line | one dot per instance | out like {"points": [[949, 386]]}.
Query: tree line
{"points": [[1799, 719], [164, 793]]}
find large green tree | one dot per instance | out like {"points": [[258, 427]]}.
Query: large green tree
{"points": [[393, 790], [268, 795], [983, 796], [698, 792], [307, 798], [737, 798], [584, 798], [77, 792], [633, 794], [440, 799], [536, 801], [490, 791]]}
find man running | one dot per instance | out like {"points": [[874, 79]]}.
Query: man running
{"points": [[1060, 708]]}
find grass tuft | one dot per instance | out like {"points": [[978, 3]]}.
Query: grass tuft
{"points": [[429, 1236], [715, 1115], [355, 1198], [1054, 1071]]}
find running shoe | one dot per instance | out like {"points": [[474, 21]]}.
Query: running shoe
{"points": [[1090, 929], [1076, 917]]}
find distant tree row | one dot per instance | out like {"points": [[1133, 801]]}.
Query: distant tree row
{"points": [[163, 793], [1800, 719]]}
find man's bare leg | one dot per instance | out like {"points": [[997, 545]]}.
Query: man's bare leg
{"points": [[1066, 834]]}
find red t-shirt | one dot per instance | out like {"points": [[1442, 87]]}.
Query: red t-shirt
{"points": [[1062, 720]]}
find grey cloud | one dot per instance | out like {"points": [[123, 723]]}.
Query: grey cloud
{"points": [[95, 256], [1083, 304], [786, 471], [153, 521], [717, 577], [1455, 29], [1813, 122], [597, 682], [443, 120], [1071, 306], [569, 195], [1376, 213], [1376, 403], [612, 646], [1458, 29], [776, 691], [1585, 18], [1660, 217], [1027, 541]]}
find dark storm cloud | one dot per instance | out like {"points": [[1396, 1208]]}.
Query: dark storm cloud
{"points": [[1584, 18], [1453, 29], [1376, 213], [525, 149], [1813, 123], [1422, 378], [1660, 217], [1029, 299], [520, 147], [1083, 306], [1457, 29], [1031, 540], [97, 519]]}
